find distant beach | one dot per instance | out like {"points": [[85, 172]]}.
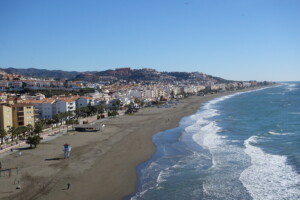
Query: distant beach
{"points": [[102, 165]]}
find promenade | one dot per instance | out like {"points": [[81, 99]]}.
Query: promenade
{"points": [[50, 134]]}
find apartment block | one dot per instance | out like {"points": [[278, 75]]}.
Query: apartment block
{"points": [[6, 120], [23, 114]]}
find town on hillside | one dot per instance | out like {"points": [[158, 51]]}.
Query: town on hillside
{"points": [[29, 104]]}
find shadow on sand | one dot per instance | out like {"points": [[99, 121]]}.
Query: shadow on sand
{"points": [[49, 159], [23, 148]]}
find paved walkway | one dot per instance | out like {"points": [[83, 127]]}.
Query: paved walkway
{"points": [[9, 148]]}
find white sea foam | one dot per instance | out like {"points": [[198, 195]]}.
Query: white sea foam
{"points": [[274, 133], [162, 176], [269, 177], [276, 93], [205, 129], [290, 86], [294, 113]]}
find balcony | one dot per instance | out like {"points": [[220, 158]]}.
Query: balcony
{"points": [[20, 115]]}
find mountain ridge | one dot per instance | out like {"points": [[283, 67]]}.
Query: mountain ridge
{"points": [[145, 74]]}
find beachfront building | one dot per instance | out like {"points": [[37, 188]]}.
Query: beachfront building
{"points": [[64, 105], [45, 108], [84, 101], [150, 93], [161, 93], [136, 93], [23, 114], [95, 95], [6, 120], [4, 85]]}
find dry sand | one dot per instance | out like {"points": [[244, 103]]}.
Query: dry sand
{"points": [[102, 164]]}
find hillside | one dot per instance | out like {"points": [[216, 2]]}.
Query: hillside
{"points": [[42, 73], [145, 74]]}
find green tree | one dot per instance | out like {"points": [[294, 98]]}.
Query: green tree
{"points": [[69, 114], [29, 128], [161, 98], [38, 128], [137, 101], [12, 131], [172, 93], [24, 85], [56, 117], [21, 130], [114, 113], [142, 103], [114, 107], [59, 117], [33, 141], [77, 113], [99, 109], [3, 133], [118, 103]]}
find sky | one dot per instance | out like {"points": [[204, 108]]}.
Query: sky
{"points": [[232, 39]]}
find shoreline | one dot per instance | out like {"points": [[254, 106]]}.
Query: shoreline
{"points": [[103, 164]]}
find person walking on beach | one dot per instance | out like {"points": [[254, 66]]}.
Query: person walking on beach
{"points": [[69, 185]]}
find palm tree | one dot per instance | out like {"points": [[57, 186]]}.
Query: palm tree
{"points": [[100, 109], [38, 128], [172, 93], [12, 132], [3, 133], [77, 112], [17, 132], [29, 128], [93, 110], [85, 111], [21, 130], [59, 117], [69, 114]]}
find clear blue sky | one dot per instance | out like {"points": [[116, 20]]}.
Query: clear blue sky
{"points": [[233, 39]]}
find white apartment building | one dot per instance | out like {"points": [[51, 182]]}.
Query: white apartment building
{"points": [[95, 95], [64, 105], [45, 109], [150, 93], [136, 93], [84, 101]]}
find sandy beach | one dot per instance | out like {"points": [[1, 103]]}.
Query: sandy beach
{"points": [[102, 165]]}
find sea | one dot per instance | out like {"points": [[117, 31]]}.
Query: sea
{"points": [[241, 146]]}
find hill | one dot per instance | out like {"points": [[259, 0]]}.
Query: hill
{"points": [[146, 74], [42, 73]]}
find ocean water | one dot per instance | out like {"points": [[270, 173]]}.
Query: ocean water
{"points": [[242, 146]]}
